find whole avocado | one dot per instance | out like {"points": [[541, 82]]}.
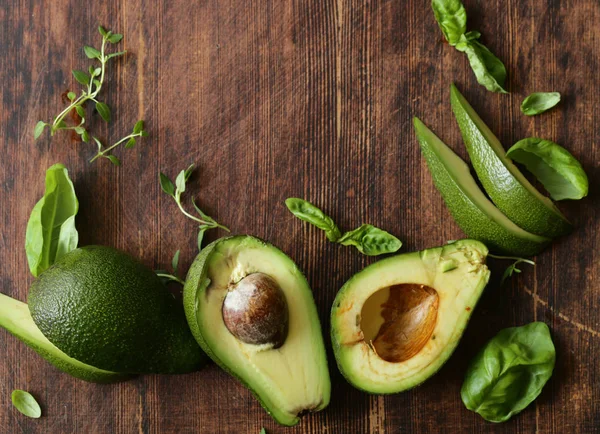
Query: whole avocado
{"points": [[104, 308]]}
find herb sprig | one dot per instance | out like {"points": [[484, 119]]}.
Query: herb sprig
{"points": [[512, 268], [167, 277], [93, 81]]}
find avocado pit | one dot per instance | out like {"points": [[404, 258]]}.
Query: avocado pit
{"points": [[255, 311], [399, 320]]}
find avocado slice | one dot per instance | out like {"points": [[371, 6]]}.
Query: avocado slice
{"points": [[512, 193], [252, 311], [104, 308], [471, 209], [395, 323], [16, 319]]}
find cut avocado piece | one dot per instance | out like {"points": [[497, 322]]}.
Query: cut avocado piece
{"points": [[16, 319], [474, 213], [252, 311], [395, 323], [512, 193], [104, 308]]}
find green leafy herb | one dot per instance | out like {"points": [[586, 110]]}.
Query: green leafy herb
{"points": [[451, 17], [26, 403], [263, 431], [368, 239], [129, 141], [51, 229], [92, 80], [167, 277], [554, 166], [176, 190], [512, 268], [539, 102], [510, 372]]}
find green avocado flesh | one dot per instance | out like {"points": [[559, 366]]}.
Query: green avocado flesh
{"points": [[104, 308], [395, 323], [512, 193], [289, 379], [15, 317], [474, 213]]}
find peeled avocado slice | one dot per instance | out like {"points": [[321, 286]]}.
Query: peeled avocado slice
{"points": [[279, 353], [15, 317], [512, 193], [395, 323], [474, 213]]}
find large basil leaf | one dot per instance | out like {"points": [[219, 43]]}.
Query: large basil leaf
{"points": [[539, 102], [51, 229], [489, 70], [510, 372], [306, 211], [554, 166], [451, 17], [26, 403], [371, 241]]}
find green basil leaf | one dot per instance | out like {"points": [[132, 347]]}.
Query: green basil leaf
{"points": [[451, 17], [115, 38], [26, 403], [91, 52], [175, 261], [371, 241], [138, 127], [81, 77], [307, 212], [166, 184], [39, 129], [51, 229], [510, 372], [104, 110], [489, 70], [539, 102], [554, 166]]}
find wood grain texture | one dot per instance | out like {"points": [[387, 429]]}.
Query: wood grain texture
{"points": [[305, 98]]}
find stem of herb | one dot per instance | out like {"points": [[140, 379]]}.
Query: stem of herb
{"points": [[513, 258], [105, 151], [171, 277]]}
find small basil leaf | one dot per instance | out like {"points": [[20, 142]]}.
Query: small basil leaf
{"points": [[115, 38], [104, 110], [371, 241], [91, 52], [114, 160], [39, 129], [451, 17], [26, 403], [539, 102], [166, 184], [510, 372], [175, 261], [138, 127], [554, 166], [309, 213], [489, 70], [81, 77], [130, 143], [51, 229]]}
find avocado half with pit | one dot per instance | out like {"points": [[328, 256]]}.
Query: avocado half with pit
{"points": [[395, 323], [252, 311]]}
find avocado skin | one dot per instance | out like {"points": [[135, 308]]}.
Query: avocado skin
{"points": [[106, 309]]}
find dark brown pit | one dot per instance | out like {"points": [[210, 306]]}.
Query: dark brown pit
{"points": [[255, 311]]}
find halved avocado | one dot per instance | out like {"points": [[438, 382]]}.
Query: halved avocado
{"points": [[395, 323], [16, 319], [512, 193], [252, 311], [474, 213]]}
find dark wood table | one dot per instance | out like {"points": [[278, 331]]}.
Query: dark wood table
{"points": [[273, 99]]}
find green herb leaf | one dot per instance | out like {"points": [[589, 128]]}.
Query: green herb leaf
{"points": [[307, 212], [85, 136], [539, 102], [79, 130], [371, 241], [512, 268], [130, 143], [180, 181], [201, 236], [451, 17], [472, 35], [166, 184], [118, 53], [102, 31], [80, 111], [51, 229], [114, 160], [263, 431], [71, 96], [39, 129], [91, 52], [510, 372], [104, 110], [175, 261], [138, 127], [26, 403], [554, 166], [81, 77], [489, 70], [115, 38]]}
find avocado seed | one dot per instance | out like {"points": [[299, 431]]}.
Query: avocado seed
{"points": [[255, 311]]}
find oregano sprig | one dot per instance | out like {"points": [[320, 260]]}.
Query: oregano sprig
{"points": [[129, 140], [167, 277], [512, 268]]}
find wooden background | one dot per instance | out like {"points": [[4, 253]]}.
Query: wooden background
{"points": [[309, 98]]}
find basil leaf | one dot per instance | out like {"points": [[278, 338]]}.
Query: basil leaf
{"points": [[51, 229], [371, 241], [539, 102], [26, 403], [81, 77], [554, 166], [489, 70], [306, 211], [104, 110], [510, 372], [451, 17], [92, 53]]}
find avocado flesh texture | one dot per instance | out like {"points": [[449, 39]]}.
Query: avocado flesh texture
{"points": [[288, 380], [458, 291], [104, 308], [16, 319], [471, 209], [512, 193]]}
